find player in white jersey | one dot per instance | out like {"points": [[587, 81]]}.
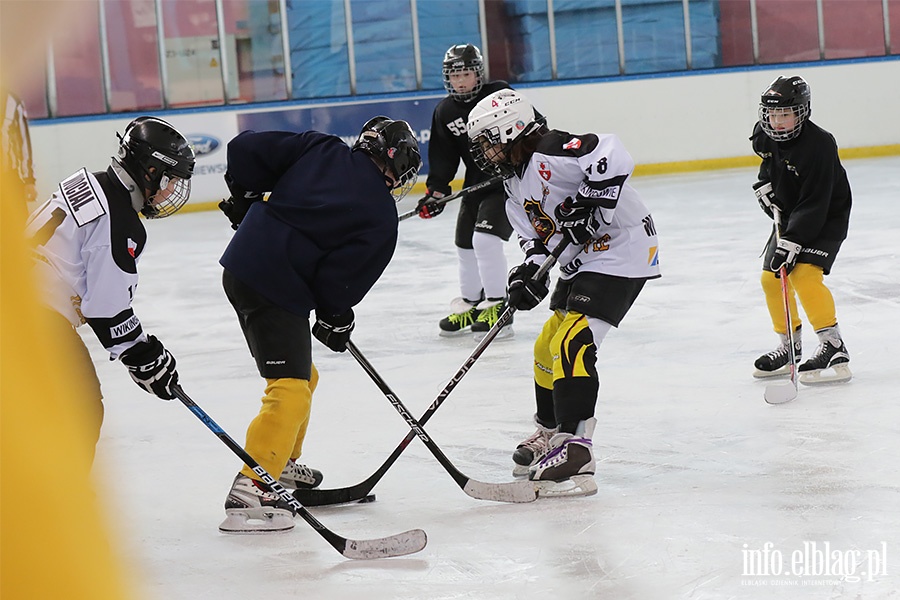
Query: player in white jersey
{"points": [[87, 240], [574, 188]]}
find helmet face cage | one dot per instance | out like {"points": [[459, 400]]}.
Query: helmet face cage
{"points": [[161, 160], [495, 125], [459, 59], [785, 101], [394, 144]]}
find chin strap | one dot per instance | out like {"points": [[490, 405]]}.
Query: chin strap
{"points": [[137, 195]]}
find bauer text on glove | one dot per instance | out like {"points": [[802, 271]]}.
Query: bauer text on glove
{"points": [[152, 367], [576, 221]]}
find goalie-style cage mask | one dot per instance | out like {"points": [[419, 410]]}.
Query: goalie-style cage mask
{"points": [[496, 124], [161, 160], [784, 107], [394, 145], [464, 57]]}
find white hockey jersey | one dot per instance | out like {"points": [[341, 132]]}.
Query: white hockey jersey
{"points": [[586, 167], [87, 239]]}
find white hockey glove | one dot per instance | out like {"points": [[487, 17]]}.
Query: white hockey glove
{"points": [[786, 253], [765, 195]]}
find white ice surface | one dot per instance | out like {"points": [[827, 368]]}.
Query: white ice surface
{"points": [[693, 466]]}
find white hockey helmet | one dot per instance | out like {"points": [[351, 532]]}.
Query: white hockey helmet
{"points": [[495, 124]]}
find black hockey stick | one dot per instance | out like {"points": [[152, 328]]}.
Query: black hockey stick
{"points": [[784, 391], [516, 491], [396, 545], [318, 497], [460, 194]]}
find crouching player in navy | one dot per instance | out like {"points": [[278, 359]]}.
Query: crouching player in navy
{"points": [[562, 186], [88, 239], [319, 243], [801, 176]]}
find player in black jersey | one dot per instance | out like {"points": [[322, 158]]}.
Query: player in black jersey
{"points": [[481, 225], [801, 177]]}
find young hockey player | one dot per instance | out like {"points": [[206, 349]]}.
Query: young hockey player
{"points": [[563, 186], [801, 175], [481, 224], [88, 239], [319, 243]]}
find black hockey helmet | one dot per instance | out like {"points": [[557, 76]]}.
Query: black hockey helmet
{"points": [[459, 58], [394, 145], [784, 96], [161, 160]]}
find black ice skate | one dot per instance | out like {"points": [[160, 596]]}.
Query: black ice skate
{"points": [[296, 476], [568, 468], [460, 320], [251, 508], [489, 312], [830, 363], [775, 363]]}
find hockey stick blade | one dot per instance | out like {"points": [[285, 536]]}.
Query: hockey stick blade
{"points": [[515, 491], [400, 544], [780, 393]]}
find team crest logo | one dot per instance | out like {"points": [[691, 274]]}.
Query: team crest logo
{"points": [[573, 144], [544, 171], [543, 225]]}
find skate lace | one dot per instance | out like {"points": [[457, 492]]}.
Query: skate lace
{"points": [[560, 454], [538, 442], [491, 314], [464, 319], [777, 353], [299, 471]]}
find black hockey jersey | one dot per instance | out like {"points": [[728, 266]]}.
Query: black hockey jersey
{"points": [[809, 182], [328, 229], [449, 142]]}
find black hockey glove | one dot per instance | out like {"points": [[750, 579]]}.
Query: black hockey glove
{"points": [[576, 221], [334, 330], [428, 208], [765, 195], [236, 206], [152, 367], [524, 291], [786, 253]]}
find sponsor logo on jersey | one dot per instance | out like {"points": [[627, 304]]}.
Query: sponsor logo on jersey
{"points": [[203, 144], [83, 202], [573, 144], [653, 256], [544, 171], [276, 362], [123, 329]]}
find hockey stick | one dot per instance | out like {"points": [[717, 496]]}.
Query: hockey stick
{"points": [[516, 491], [318, 497], [784, 391], [400, 544], [460, 194]]}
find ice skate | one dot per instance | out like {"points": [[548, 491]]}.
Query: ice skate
{"points": [[460, 320], [489, 312], [297, 476], [532, 449], [251, 508], [830, 363], [775, 363], [568, 468]]}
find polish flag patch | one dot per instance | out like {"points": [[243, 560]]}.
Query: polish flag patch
{"points": [[544, 171]]}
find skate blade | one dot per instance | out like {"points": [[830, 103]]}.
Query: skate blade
{"points": [[239, 522], [504, 334], [837, 374], [577, 485], [453, 334], [784, 371]]}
